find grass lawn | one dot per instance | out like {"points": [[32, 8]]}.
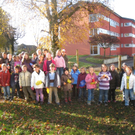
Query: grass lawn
{"points": [[72, 59], [98, 59], [20, 118]]}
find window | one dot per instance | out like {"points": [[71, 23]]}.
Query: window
{"points": [[93, 32], [121, 24], [127, 45], [127, 24], [121, 45], [93, 18], [126, 35], [121, 35]]}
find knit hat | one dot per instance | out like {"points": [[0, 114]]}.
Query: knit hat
{"points": [[52, 65], [63, 50], [124, 64], [65, 69], [75, 65]]}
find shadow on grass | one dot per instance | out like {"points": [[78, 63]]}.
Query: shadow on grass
{"points": [[20, 118]]}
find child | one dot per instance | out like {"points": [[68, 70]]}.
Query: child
{"points": [[66, 81], [104, 77], [14, 82], [5, 81], [25, 83], [47, 63], [37, 83], [63, 51], [40, 62], [18, 63], [81, 84], [60, 63], [128, 84], [74, 73], [91, 81], [114, 83], [52, 82]]}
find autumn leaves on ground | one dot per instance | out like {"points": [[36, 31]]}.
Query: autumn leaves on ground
{"points": [[19, 118]]}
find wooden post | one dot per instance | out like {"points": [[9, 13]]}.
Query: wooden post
{"points": [[134, 61], [77, 58], [119, 62]]}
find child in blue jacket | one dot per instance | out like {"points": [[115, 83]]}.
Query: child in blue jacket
{"points": [[74, 73]]}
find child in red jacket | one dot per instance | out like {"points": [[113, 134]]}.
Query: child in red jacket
{"points": [[5, 81], [81, 84]]}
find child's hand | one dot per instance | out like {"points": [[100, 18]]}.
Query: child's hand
{"points": [[58, 86], [6, 84], [64, 83]]}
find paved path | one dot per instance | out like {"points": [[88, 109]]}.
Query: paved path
{"points": [[129, 62]]}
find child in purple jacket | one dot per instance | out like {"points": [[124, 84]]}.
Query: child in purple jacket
{"points": [[104, 78]]}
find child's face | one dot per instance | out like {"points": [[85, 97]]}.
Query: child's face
{"points": [[49, 56], [74, 68], [66, 72], [45, 52], [37, 69], [4, 68], [128, 71], [82, 71], [26, 56], [63, 53], [16, 70], [59, 53], [52, 68], [41, 58], [104, 68], [91, 70], [112, 68], [17, 58]]}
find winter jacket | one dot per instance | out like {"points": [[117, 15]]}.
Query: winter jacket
{"points": [[131, 82], [27, 63], [25, 79], [12, 80], [11, 64], [89, 80], [38, 77], [75, 75], [59, 62], [40, 64], [115, 80], [104, 83], [64, 78], [45, 65], [66, 60], [57, 81], [80, 78], [5, 78]]}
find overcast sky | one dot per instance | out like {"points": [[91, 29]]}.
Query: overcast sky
{"points": [[125, 8]]}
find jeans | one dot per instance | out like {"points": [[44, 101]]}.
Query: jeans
{"points": [[84, 92], [90, 95], [6, 91], [60, 71], [39, 92], [129, 93], [103, 93], [111, 94], [13, 90], [123, 92]]}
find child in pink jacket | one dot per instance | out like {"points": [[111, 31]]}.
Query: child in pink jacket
{"points": [[91, 81], [59, 62]]}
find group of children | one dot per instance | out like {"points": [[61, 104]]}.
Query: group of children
{"points": [[43, 72]]}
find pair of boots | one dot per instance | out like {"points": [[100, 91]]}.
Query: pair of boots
{"points": [[133, 103], [69, 99]]}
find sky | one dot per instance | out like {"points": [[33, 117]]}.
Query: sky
{"points": [[125, 8]]}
